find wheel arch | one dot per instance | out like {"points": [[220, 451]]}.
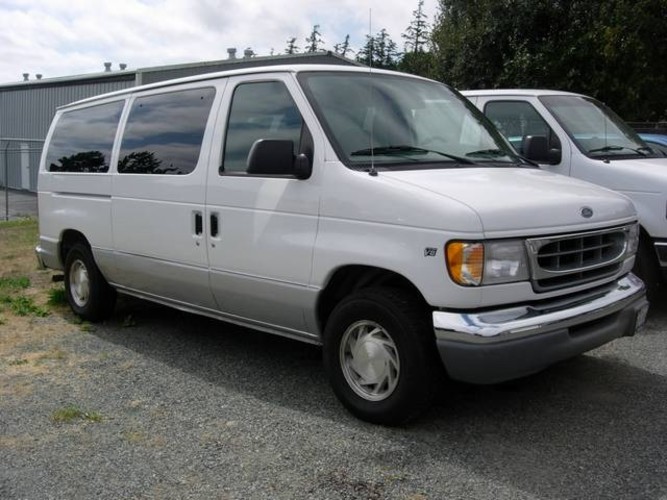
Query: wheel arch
{"points": [[68, 239], [351, 278]]}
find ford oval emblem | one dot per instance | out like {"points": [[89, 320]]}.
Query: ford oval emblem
{"points": [[586, 212]]}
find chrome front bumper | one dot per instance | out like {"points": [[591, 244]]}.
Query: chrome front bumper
{"points": [[492, 346]]}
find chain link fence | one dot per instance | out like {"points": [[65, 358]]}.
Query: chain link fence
{"points": [[19, 165]]}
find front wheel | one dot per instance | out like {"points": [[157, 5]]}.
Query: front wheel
{"points": [[88, 293], [380, 356]]}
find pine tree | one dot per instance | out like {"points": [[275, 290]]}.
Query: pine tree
{"points": [[291, 48], [417, 33], [314, 40], [343, 48], [379, 51]]}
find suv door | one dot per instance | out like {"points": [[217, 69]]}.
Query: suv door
{"points": [[517, 119], [262, 228]]}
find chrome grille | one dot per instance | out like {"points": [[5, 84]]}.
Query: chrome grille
{"points": [[573, 259]]}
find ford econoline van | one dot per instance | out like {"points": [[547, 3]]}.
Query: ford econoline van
{"points": [[354, 209], [576, 135]]}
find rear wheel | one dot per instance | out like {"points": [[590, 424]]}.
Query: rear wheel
{"points": [[380, 356], [88, 293]]}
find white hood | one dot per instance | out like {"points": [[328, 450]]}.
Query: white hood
{"points": [[507, 199]]}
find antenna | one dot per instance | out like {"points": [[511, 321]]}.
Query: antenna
{"points": [[372, 171]]}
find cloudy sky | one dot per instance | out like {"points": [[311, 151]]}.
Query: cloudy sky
{"points": [[69, 37]]}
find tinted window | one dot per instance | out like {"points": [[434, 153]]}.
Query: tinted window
{"points": [[83, 139], [263, 110], [518, 119], [164, 132]]}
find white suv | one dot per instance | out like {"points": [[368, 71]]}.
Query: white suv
{"points": [[576, 135], [343, 207]]}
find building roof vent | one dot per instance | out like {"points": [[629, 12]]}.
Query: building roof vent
{"points": [[122, 66], [232, 52], [107, 67], [38, 76], [248, 53], [26, 77]]}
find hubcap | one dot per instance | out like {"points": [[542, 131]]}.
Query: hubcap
{"points": [[79, 284], [369, 359]]}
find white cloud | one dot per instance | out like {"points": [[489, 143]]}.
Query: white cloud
{"points": [[68, 37]]}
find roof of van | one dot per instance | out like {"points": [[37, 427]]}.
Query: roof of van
{"points": [[516, 92], [292, 68]]}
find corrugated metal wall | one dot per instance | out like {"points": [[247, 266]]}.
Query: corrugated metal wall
{"points": [[26, 111]]}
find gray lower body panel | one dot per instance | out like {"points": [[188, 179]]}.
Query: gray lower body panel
{"points": [[495, 346]]}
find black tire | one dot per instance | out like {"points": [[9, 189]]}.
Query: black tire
{"points": [[88, 293], [409, 384], [646, 267]]}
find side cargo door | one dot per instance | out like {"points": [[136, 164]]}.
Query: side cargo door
{"points": [[262, 228], [158, 204]]}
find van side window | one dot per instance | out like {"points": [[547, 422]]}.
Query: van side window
{"points": [[517, 119], [164, 132], [261, 110], [83, 139]]}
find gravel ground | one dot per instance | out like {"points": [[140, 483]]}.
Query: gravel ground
{"points": [[178, 406]]}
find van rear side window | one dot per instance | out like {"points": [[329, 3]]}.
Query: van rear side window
{"points": [[164, 132], [83, 139]]}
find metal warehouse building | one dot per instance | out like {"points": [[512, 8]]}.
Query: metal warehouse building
{"points": [[27, 107]]}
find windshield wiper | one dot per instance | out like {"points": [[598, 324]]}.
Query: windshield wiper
{"points": [[406, 150], [617, 148], [488, 152]]}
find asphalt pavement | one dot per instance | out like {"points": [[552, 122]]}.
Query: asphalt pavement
{"points": [[194, 408]]}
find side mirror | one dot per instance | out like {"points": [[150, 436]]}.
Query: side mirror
{"points": [[276, 157], [536, 148]]}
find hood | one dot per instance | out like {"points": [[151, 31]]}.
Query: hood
{"points": [[631, 175], [513, 200]]}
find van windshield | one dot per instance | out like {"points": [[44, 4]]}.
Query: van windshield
{"points": [[402, 122], [597, 131]]}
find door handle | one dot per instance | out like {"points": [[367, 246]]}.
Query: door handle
{"points": [[214, 225], [199, 224]]}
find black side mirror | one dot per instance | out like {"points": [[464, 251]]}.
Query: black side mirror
{"points": [[536, 148], [276, 157]]}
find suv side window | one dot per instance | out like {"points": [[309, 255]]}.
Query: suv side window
{"points": [[261, 110], [164, 132], [518, 119], [83, 139]]}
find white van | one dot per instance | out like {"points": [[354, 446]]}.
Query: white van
{"points": [[576, 135], [342, 207]]}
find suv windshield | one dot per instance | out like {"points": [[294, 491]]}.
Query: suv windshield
{"points": [[596, 130], [402, 122]]}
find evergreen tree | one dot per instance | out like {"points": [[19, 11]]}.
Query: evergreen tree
{"points": [[314, 40], [379, 51], [291, 48], [610, 49], [343, 48], [416, 35], [416, 59]]}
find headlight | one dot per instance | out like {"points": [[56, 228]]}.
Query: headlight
{"points": [[488, 263]]}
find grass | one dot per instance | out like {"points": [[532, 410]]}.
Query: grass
{"points": [[24, 306], [57, 297], [19, 294], [13, 283], [71, 413]]}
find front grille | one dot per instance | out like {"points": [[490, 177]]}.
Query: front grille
{"points": [[567, 260]]}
